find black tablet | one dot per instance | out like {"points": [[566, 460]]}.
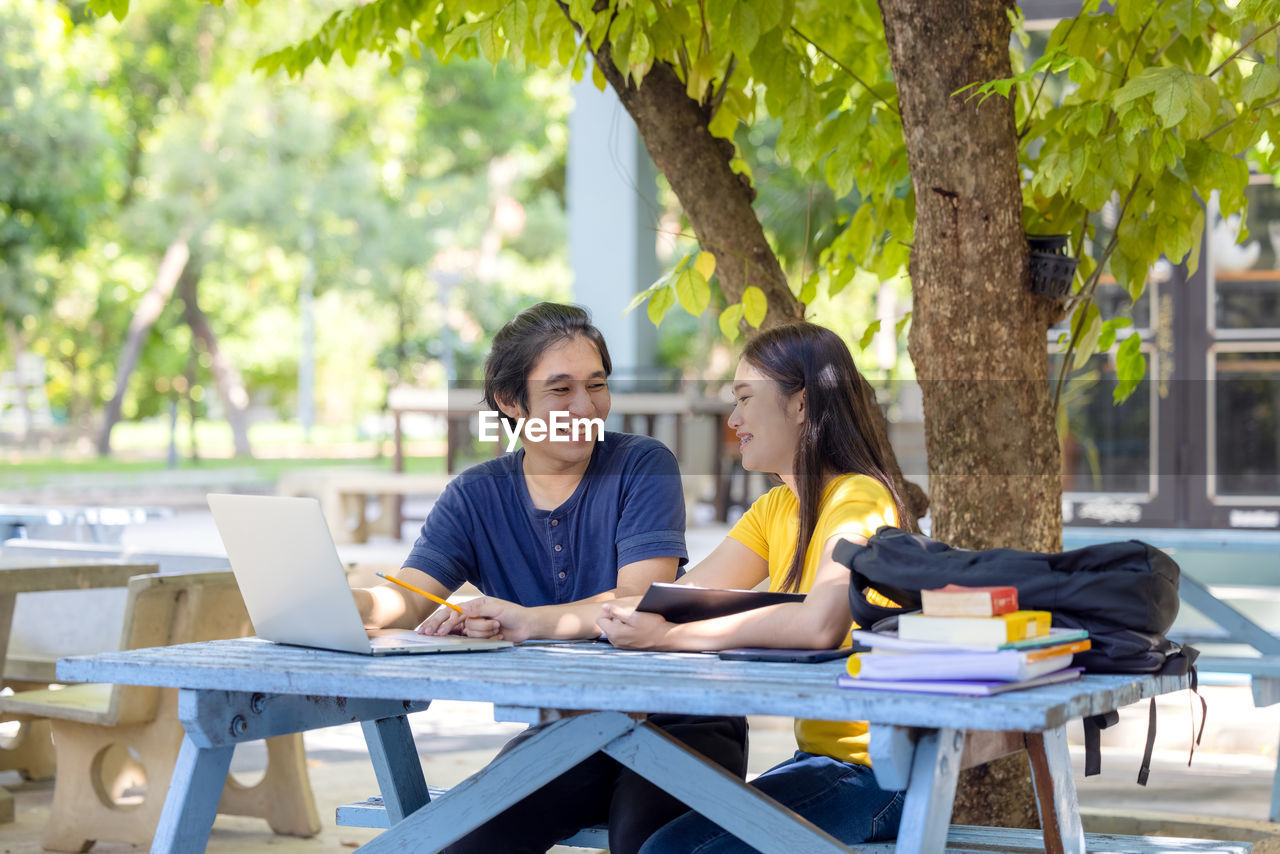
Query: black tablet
{"points": [[683, 603]]}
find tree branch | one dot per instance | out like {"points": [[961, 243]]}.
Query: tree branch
{"points": [[1234, 119], [1031, 109], [1088, 291], [1243, 48], [838, 64]]}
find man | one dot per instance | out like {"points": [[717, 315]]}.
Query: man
{"points": [[575, 518]]}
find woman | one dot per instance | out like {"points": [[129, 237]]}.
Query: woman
{"points": [[801, 413]]}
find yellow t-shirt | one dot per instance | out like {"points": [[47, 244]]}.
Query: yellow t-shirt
{"points": [[851, 504]]}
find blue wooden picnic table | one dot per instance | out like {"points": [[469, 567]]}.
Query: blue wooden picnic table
{"points": [[245, 689]]}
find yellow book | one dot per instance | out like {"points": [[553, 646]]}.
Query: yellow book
{"points": [[1014, 626]]}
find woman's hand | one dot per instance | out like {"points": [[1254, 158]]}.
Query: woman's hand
{"points": [[628, 628]]}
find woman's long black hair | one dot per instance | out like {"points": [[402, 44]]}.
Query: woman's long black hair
{"points": [[838, 436]]}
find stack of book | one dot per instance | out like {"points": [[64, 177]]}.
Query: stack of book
{"points": [[966, 640]]}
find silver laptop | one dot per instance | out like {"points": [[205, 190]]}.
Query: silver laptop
{"points": [[294, 586]]}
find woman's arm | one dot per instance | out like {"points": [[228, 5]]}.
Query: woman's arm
{"points": [[731, 564], [821, 621]]}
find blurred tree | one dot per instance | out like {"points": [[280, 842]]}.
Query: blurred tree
{"points": [[55, 161]]}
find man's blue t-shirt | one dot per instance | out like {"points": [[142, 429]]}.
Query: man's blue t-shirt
{"points": [[629, 506]]}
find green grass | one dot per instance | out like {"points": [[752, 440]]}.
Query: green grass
{"points": [[142, 448]]}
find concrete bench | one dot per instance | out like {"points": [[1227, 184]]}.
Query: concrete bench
{"points": [[41, 633], [89, 719], [344, 497]]}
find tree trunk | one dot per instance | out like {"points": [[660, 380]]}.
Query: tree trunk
{"points": [[718, 203], [235, 400], [994, 460], [153, 302]]}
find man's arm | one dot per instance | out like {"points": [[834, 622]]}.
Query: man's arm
{"points": [[491, 617], [387, 606]]}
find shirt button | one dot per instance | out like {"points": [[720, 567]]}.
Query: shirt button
{"points": [[559, 547], [562, 574], [555, 522]]}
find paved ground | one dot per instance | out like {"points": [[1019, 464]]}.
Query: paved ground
{"points": [[1230, 776]]}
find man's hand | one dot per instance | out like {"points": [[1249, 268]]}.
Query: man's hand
{"points": [[631, 629], [443, 621], [483, 617]]}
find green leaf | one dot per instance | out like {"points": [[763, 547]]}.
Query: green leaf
{"points": [[693, 291], [1142, 85], [491, 43], [754, 305], [662, 300], [1086, 324], [1173, 97], [1107, 339], [1261, 85], [647, 293], [705, 264], [901, 324], [729, 319], [515, 21], [809, 290], [1131, 366], [869, 334], [744, 29]]}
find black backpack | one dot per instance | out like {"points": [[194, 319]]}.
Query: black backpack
{"points": [[1124, 593]]}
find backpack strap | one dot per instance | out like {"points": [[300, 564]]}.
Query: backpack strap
{"points": [[1093, 725], [1204, 713], [1145, 770]]}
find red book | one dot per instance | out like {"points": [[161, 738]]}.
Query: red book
{"points": [[955, 600]]}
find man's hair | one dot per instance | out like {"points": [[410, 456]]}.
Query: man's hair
{"points": [[520, 344]]}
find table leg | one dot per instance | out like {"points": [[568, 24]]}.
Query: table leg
{"points": [[192, 801], [504, 781], [395, 762], [1055, 791], [931, 791], [747, 813]]}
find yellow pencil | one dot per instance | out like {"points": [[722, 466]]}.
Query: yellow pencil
{"points": [[407, 586]]}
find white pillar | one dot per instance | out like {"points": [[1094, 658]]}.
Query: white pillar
{"points": [[613, 220]]}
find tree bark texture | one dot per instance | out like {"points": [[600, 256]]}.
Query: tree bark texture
{"points": [[978, 334], [153, 302], [718, 203]]}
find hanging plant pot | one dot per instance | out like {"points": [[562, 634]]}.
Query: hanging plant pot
{"points": [[1052, 269]]}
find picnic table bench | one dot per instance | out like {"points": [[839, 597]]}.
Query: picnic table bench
{"points": [[595, 698]]}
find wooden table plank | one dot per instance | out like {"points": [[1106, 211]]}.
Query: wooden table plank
{"points": [[591, 677]]}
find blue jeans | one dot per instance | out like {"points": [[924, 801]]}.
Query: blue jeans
{"points": [[841, 798]]}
